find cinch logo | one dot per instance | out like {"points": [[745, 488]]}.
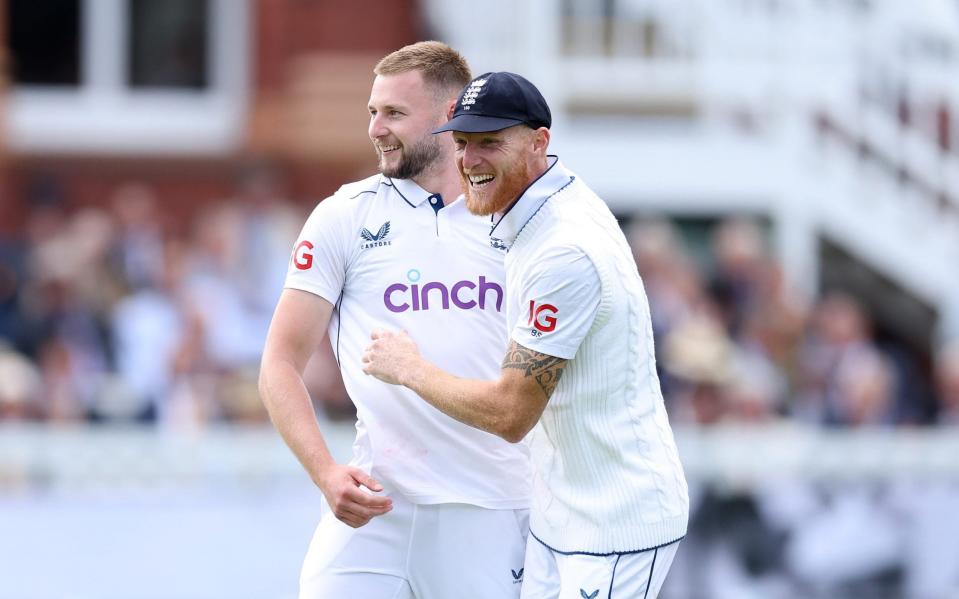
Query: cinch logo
{"points": [[376, 240], [302, 258], [465, 295], [541, 316], [517, 576], [592, 595]]}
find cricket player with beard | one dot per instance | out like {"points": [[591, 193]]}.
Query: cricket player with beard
{"points": [[428, 507], [610, 501]]}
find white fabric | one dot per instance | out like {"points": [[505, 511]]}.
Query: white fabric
{"points": [[422, 551], [552, 575], [561, 293], [607, 476], [379, 251]]}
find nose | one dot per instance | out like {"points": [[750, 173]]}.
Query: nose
{"points": [[471, 157], [376, 129]]}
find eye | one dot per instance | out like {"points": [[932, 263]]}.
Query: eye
{"points": [[372, 112], [460, 143], [395, 113]]}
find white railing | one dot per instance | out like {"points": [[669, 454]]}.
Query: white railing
{"points": [[107, 512], [50, 457]]}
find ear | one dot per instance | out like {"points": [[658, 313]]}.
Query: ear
{"points": [[450, 110], [540, 140]]}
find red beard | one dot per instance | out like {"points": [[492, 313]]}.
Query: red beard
{"points": [[506, 188]]}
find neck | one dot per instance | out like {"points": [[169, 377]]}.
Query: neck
{"points": [[537, 169], [442, 178]]}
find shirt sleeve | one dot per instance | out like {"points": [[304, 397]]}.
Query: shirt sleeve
{"points": [[560, 297], [321, 253]]}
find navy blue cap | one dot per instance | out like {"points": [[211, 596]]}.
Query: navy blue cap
{"points": [[495, 101]]}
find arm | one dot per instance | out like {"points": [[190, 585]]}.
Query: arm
{"points": [[299, 324], [508, 407]]}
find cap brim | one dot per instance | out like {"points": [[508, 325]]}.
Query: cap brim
{"points": [[477, 123]]}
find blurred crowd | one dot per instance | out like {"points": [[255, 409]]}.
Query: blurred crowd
{"points": [[115, 313], [737, 343], [120, 313]]}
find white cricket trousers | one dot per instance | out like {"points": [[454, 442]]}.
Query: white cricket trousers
{"points": [[442, 551], [552, 574]]}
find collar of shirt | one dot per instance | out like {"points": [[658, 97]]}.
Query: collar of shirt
{"points": [[410, 191], [505, 230]]}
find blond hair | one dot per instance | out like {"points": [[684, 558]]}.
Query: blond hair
{"points": [[441, 66]]}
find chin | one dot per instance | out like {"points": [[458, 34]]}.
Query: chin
{"points": [[388, 166], [481, 206]]}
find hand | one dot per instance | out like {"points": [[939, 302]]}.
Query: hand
{"points": [[351, 504], [391, 357]]}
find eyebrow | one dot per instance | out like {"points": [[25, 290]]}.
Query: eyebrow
{"points": [[387, 107]]}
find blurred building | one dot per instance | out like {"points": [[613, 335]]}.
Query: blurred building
{"points": [[177, 93], [835, 121]]}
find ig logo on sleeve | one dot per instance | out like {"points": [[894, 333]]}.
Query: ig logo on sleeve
{"points": [[542, 318], [302, 257]]}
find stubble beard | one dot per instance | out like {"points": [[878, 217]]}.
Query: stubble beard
{"points": [[509, 185], [416, 158]]}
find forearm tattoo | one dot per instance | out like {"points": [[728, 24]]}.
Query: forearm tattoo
{"points": [[548, 370]]}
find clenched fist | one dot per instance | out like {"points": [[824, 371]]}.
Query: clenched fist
{"points": [[392, 357], [343, 487]]}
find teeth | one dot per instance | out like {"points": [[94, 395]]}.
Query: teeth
{"points": [[480, 179], [388, 148]]}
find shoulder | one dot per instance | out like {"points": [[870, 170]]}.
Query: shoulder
{"points": [[357, 189], [583, 216], [344, 200], [557, 256]]}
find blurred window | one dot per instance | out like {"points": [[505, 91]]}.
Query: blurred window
{"points": [[169, 44], [45, 39], [127, 75]]}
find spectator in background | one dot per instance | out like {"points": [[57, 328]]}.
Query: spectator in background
{"points": [[947, 384], [851, 543], [138, 250], [46, 221], [149, 329], [670, 278], [737, 284], [20, 386], [927, 501], [68, 298], [673, 284], [698, 356], [213, 289], [838, 360], [12, 274], [269, 225]]}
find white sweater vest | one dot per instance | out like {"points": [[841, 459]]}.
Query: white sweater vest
{"points": [[607, 475]]}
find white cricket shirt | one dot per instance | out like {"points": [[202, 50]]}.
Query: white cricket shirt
{"points": [[607, 476], [388, 254]]}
